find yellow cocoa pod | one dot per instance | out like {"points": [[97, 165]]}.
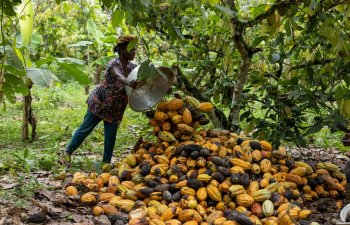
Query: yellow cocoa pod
{"points": [[173, 222], [97, 211], [204, 177], [168, 214], [303, 214], [188, 191], [185, 215], [139, 221], [244, 200], [71, 190], [219, 221], [265, 166], [214, 193], [241, 163], [162, 106], [191, 222], [175, 104], [205, 106], [266, 145], [156, 222], [160, 116], [184, 128], [106, 197], [105, 177], [261, 195], [202, 194], [109, 209], [300, 171], [166, 136], [187, 116], [88, 198]]}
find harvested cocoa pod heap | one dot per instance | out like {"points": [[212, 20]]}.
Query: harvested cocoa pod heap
{"points": [[196, 176]]}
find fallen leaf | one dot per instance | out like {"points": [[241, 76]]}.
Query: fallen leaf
{"points": [[8, 186], [101, 220]]}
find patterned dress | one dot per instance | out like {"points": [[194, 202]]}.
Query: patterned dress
{"points": [[109, 99]]}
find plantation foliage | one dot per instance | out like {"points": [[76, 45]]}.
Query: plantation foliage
{"points": [[278, 69]]}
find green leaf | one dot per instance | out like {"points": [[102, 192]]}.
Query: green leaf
{"points": [[172, 34], [107, 3], [103, 60], [15, 71], [258, 40], [70, 60], [41, 77], [259, 9], [75, 73], [146, 71], [9, 93], [25, 153], [12, 58], [92, 29], [26, 21], [37, 40], [47, 60], [16, 84], [9, 7], [117, 18], [132, 44]]}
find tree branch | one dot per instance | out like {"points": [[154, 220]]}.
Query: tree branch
{"points": [[312, 63], [267, 13]]}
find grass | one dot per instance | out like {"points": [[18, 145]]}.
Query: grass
{"points": [[59, 110]]}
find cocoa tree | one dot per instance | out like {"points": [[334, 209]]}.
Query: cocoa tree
{"points": [[273, 65]]}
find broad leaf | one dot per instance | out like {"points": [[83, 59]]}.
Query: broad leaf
{"points": [[103, 60], [132, 44], [26, 21], [107, 3], [146, 72], [117, 18], [9, 93], [92, 29], [16, 84], [70, 60], [12, 58], [15, 71], [47, 60], [73, 71], [41, 77]]}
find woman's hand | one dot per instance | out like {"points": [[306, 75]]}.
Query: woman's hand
{"points": [[346, 139], [133, 84]]}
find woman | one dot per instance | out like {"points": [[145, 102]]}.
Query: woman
{"points": [[107, 102]]}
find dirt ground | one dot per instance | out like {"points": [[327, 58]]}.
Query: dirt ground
{"points": [[51, 206]]}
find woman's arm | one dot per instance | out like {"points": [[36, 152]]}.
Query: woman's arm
{"points": [[115, 71]]}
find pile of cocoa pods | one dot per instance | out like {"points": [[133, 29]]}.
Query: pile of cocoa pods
{"points": [[195, 176]]}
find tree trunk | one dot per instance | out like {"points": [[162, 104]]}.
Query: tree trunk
{"points": [[246, 54], [87, 89], [97, 77], [237, 94], [28, 118]]}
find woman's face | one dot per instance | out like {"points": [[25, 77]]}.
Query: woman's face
{"points": [[129, 55]]}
